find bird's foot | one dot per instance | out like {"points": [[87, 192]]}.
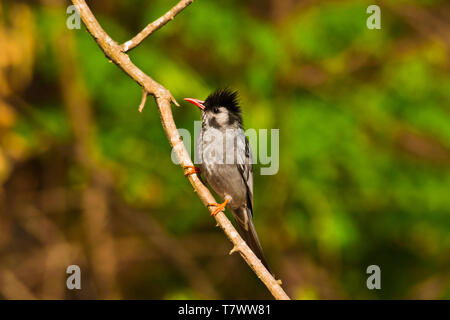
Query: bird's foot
{"points": [[188, 170], [219, 207]]}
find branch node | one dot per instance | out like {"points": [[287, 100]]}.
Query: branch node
{"points": [[235, 249], [174, 101], [144, 99]]}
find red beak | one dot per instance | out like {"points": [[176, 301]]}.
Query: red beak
{"points": [[198, 103]]}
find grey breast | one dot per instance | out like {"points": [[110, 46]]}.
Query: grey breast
{"points": [[220, 153]]}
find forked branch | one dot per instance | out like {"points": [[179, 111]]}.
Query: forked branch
{"points": [[117, 54]]}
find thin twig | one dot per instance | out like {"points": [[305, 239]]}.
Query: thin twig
{"points": [[155, 25], [163, 99]]}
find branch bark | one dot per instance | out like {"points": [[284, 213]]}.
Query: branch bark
{"points": [[116, 53]]}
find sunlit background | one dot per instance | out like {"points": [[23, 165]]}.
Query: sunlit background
{"points": [[364, 119]]}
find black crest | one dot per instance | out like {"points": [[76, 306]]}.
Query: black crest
{"points": [[224, 98]]}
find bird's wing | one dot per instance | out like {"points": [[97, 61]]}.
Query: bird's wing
{"points": [[245, 168], [243, 215]]}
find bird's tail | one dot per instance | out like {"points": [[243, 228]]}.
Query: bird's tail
{"points": [[246, 229]]}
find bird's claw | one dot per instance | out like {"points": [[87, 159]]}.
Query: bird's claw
{"points": [[188, 170], [219, 207]]}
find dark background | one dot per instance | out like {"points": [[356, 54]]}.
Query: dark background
{"points": [[364, 150]]}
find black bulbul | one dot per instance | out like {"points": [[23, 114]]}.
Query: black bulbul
{"points": [[226, 161]]}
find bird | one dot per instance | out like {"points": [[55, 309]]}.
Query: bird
{"points": [[226, 161]]}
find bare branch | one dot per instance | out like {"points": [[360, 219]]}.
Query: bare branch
{"points": [[155, 25], [163, 98], [233, 250]]}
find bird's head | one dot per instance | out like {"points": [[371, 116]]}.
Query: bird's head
{"points": [[220, 109]]}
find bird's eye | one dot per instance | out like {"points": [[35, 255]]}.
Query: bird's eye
{"points": [[216, 110]]}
